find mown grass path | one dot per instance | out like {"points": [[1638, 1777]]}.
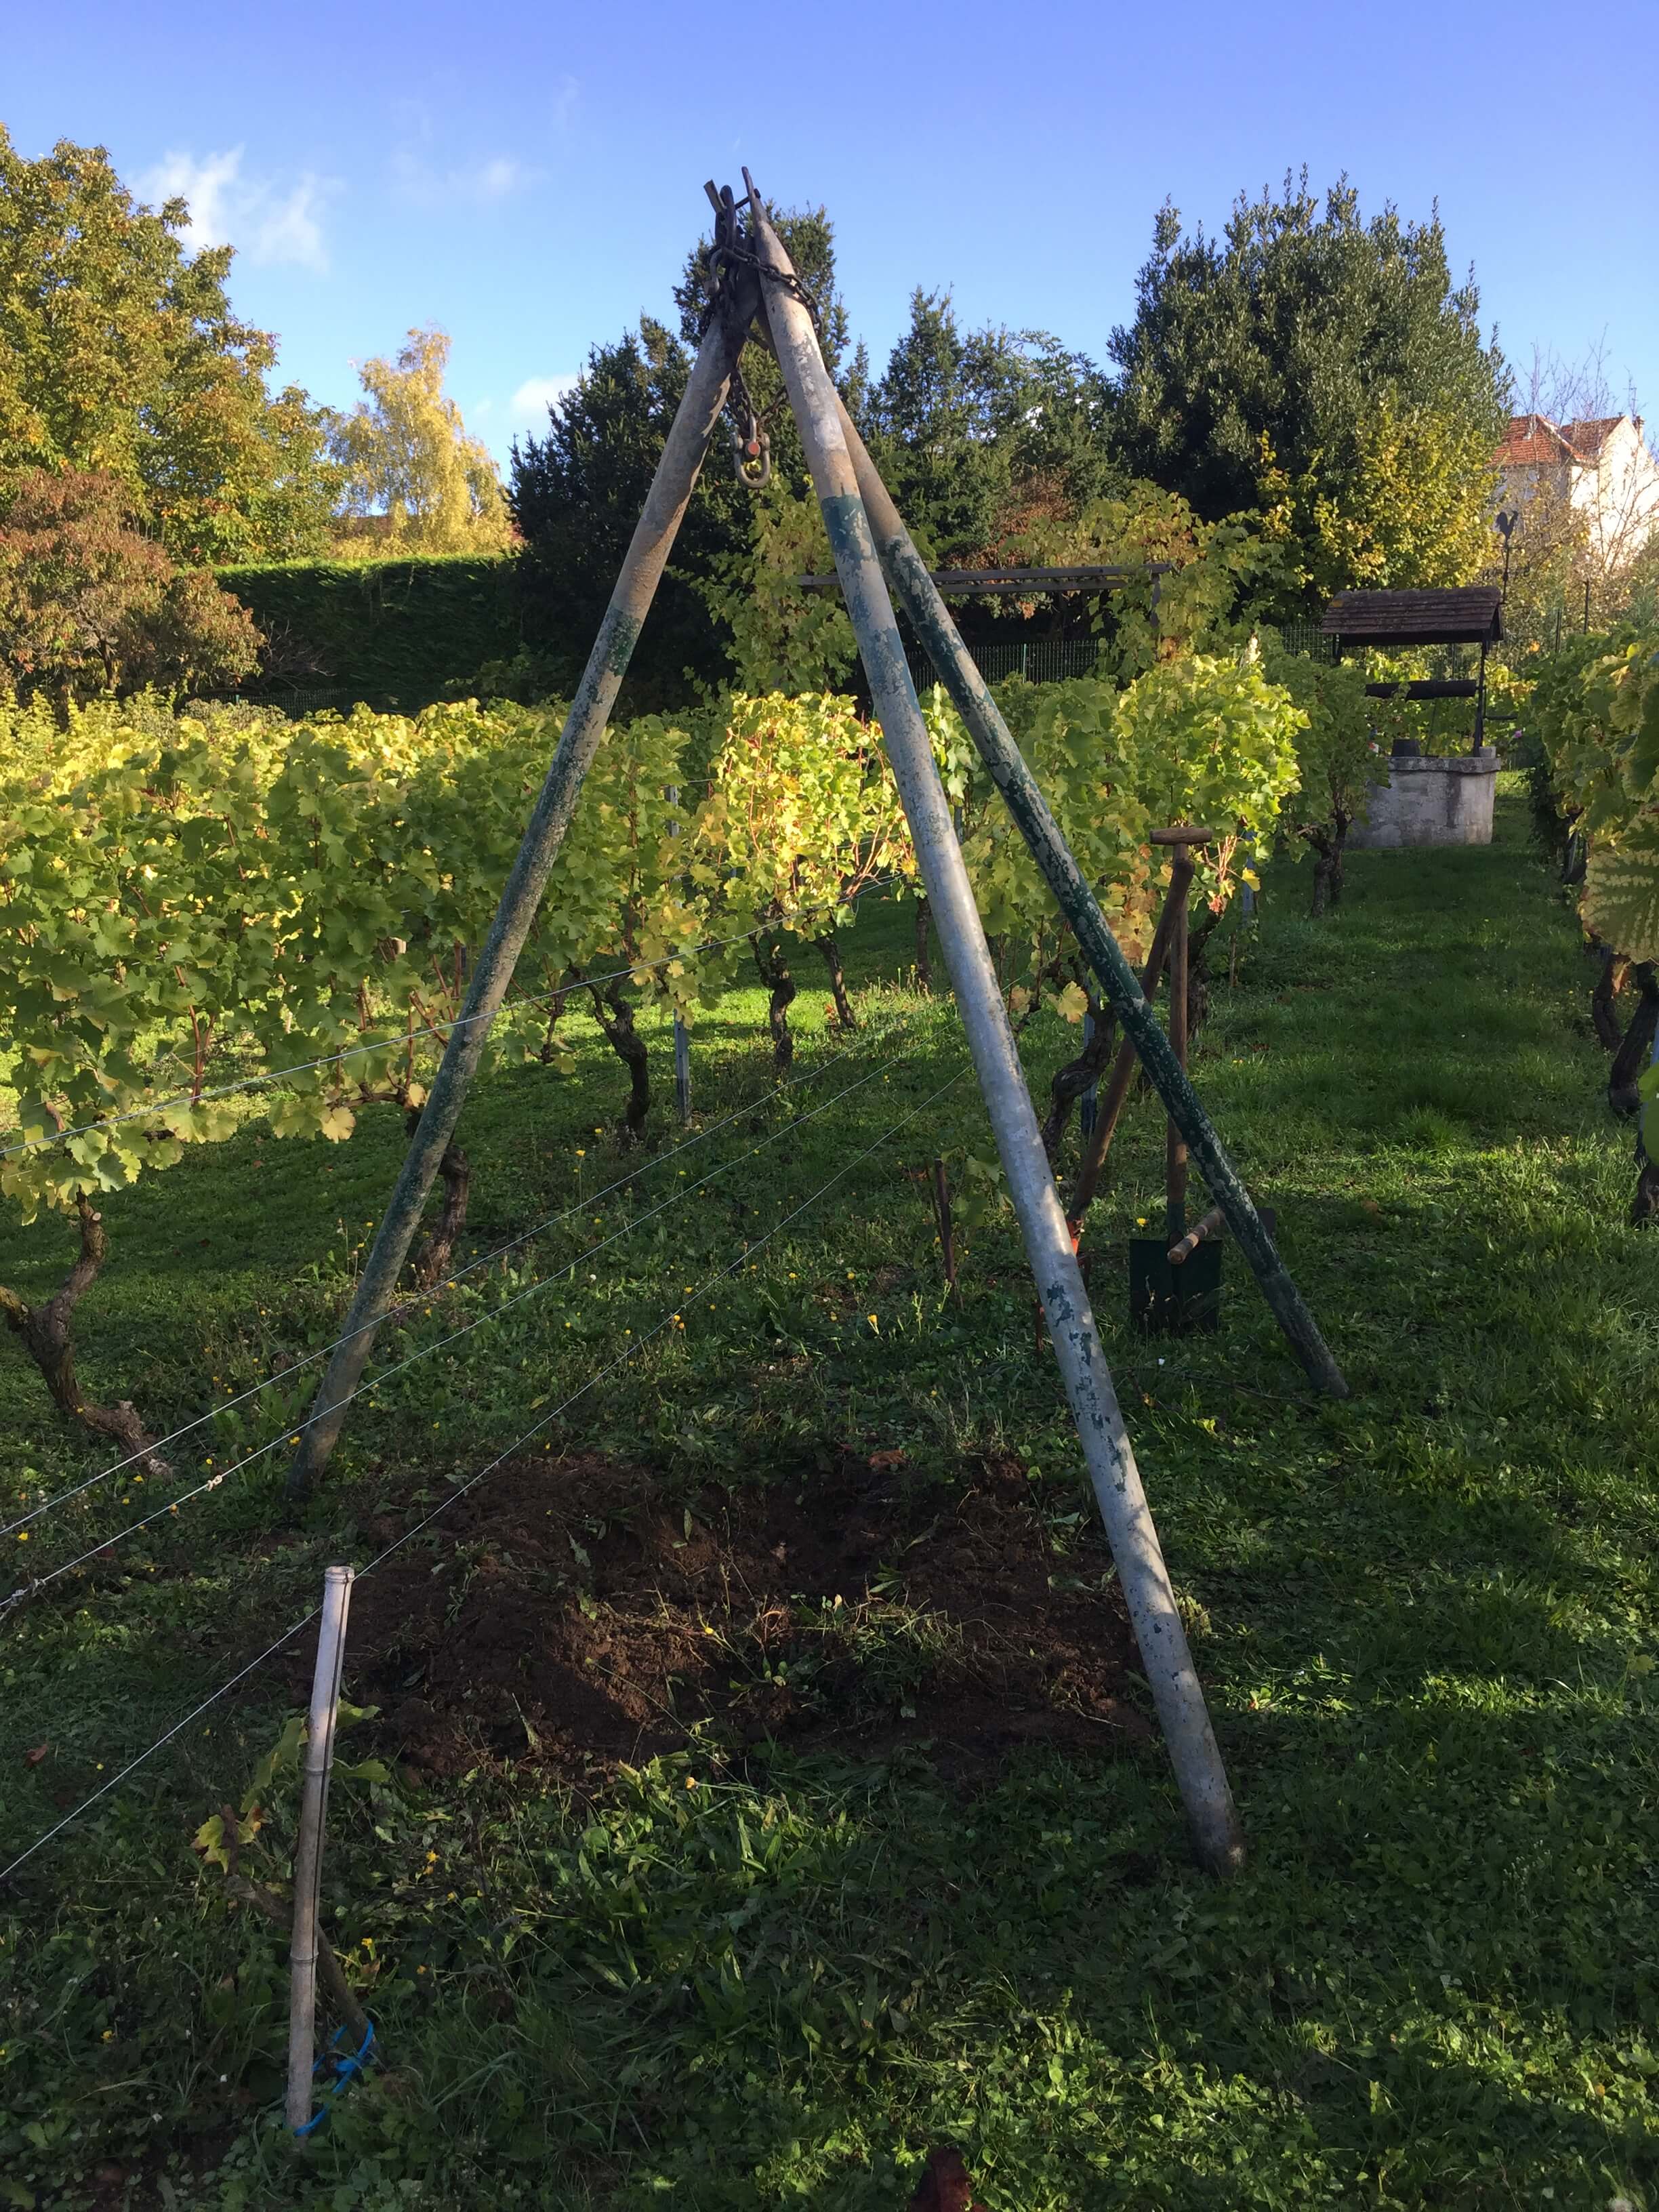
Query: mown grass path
{"points": [[1426, 1618]]}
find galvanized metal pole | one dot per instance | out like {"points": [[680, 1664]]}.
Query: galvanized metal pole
{"points": [[682, 1034], [1194, 1753], [683, 1070], [309, 1850], [648, 554], [908, 573]]}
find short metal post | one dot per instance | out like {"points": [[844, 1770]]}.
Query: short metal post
{"points": [[947, 1247], [683, 1070], [682, 1034], [1194, 1755], [931, 619], [648, 554], [309, 1850]]}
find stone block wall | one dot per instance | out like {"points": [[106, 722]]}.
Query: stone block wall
{"points": [[1438, 800]]}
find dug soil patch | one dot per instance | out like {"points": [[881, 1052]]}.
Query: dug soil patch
{"points": [[569, 1612]]}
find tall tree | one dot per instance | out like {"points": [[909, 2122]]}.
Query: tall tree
{"points": [[978, 432], [120, 353], [931, 419], [1323, 367], [576, 492], [412, 473], [89, 603]]}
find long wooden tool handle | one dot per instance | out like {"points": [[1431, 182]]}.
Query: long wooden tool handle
{"points": [[1117, 1090], [1174, 1148]]}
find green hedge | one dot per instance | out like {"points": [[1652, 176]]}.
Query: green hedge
{"points": [[395, 633]]}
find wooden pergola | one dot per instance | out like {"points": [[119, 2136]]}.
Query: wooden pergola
{"points": [[1389, 621], [1018, 583]]}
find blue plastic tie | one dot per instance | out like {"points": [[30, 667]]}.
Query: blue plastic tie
{"points": [[342, 2065]]}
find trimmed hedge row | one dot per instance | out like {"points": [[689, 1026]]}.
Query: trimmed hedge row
{"points": [[400, 634]]}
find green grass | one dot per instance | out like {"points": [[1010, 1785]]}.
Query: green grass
{"points": [[1425, 1621]]}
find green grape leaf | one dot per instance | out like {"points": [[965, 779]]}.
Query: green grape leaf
{"points": [[1621, 890]]}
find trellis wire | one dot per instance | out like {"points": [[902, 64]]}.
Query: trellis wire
{"points": [[435, 1029], [33, 1587], [483, 1260], [501, 1459]]}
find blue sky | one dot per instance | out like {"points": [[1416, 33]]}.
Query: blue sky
{"points": [[530, 177]]}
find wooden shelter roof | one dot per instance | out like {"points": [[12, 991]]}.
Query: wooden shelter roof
{"points": [[1472, 616]]}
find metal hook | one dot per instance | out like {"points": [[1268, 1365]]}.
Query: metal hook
{"points": [[751, 457]]}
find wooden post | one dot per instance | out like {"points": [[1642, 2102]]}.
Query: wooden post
{"points": [[1123, 1068], [309, 1852], [942, 1213], [1174, 1145], [1117, 1090], [1481, 702]]}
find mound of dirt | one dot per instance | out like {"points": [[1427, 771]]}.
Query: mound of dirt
{"points": [[570, 1613]]}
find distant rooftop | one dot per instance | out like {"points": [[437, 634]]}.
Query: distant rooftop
{"points": [[1533, 442]]}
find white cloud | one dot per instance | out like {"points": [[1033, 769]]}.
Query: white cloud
{"points": [[485, 182], [537, 394], [267, 223], [499, 176]]}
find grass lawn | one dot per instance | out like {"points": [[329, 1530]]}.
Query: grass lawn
{"points": [[798, 1939]]}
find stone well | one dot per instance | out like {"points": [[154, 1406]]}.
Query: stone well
{"points": [[1434, 799]]}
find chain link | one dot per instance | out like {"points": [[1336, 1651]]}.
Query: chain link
{"points": [[751, 447]]}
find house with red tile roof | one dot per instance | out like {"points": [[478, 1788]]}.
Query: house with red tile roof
{"points": [[1602, 467]]}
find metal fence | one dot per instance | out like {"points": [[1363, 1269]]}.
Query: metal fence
{"points": [[1307, 638], [1040, 661]]}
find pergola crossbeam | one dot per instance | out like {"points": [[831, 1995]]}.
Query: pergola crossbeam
{"points": [[1019, 583]]}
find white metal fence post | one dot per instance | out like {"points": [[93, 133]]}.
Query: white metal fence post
{"points": [[309, 1850]]}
